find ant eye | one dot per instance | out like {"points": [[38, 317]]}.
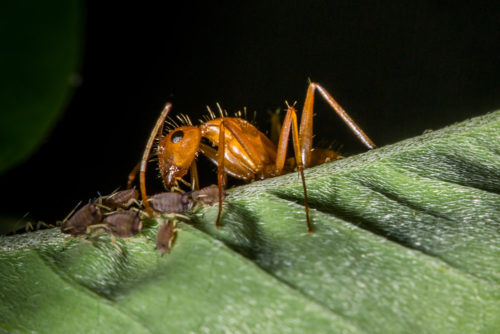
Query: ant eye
{"points": [[177, 136]]}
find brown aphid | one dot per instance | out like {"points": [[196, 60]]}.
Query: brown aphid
{"points": [[77, 224], [123, 224], [121, 199], [171, 202], [166, 236], [208, 195]]}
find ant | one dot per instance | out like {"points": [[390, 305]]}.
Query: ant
{"points": [[241, 150]]}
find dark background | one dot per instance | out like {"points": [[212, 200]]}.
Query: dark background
{"points": [[397, 68]]}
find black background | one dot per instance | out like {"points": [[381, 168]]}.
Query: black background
{"points": [[398, 69]]}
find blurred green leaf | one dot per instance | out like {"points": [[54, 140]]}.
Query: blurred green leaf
{"points": [[41, 44], [406, 241]]}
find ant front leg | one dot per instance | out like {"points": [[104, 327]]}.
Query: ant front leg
{"points": [[193, 172], [158, 130], [291, 122], [220, 168], [145, 156], [306, 122]]}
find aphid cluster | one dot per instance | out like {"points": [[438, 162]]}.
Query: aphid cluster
{"points": [[117, 213], [121, 214]]}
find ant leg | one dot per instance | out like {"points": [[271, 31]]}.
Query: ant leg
{"points": [[221, 150], [220, 168], [236, 168], [145, 156], [291, 121], [195, 183], [306, 122], [133, 173]]}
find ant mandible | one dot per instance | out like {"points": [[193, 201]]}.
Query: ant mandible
{"points": [[240, 150]]}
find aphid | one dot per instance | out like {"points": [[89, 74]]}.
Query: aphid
{"points": [[171, 202], [121, 199], [123, 223], [208, 195], [241, 150], [77, 224], [166, 236]]}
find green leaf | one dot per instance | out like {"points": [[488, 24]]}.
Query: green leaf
{"points": [[40, 53], [406, 241]]}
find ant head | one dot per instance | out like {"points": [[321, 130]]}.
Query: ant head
{"points": [[176, 152]]}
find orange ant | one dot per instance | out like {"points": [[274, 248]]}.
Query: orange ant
{"points": [[240, 150]]}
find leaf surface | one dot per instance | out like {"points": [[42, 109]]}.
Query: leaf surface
{"points": [[406, 241]]}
